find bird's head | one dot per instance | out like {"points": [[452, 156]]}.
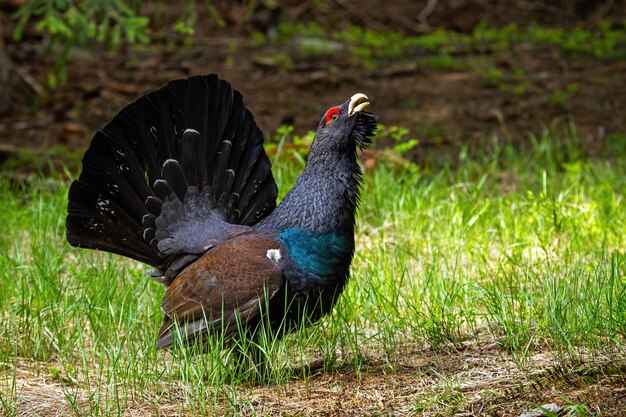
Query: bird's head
{"points": [[346, 126]]}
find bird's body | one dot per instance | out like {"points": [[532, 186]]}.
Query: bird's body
{"points": [[179, 180]]}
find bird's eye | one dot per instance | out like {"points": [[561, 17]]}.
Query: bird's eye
{"points": [[332, 114]]}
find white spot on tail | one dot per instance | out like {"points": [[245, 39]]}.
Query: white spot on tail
{"points": [[273, 254], [190, 131]]}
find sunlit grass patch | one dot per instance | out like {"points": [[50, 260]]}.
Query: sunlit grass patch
{"points": [[512, 255]]}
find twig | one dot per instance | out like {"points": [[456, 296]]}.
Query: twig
{"points": [[362, 15], [31, 82], [602, 11], [427, 11]]}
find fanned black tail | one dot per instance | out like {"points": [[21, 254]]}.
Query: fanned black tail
{"points": [[166, 177]]}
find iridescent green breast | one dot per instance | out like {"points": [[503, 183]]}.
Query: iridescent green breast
{"points": [[323, 254]]}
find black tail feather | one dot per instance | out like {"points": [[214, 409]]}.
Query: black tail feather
{"points": [[194, 145], [189, 135], [88, 227], [175, 177]]}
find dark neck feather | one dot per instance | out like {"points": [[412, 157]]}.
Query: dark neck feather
{"points": [[325, 196]]}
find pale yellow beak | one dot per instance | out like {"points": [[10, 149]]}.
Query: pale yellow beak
{"points": [[358, 102]]}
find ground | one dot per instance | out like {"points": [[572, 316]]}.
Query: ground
{"points": [[468, 381]]}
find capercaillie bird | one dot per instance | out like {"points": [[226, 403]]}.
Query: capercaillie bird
{"points": [[179, 180]]}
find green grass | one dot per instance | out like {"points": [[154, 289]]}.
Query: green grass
{"points": [[372, 48], [524, 250]]}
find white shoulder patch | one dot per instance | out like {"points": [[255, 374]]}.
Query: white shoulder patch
{"points": [[273, 254]]}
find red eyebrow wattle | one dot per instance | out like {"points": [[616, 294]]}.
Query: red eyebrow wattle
{"points": [[330, 113]]}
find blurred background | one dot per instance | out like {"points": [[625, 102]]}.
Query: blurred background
{"points": [[443, 75]]}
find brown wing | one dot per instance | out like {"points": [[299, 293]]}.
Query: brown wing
{"points": [[232, 279]]}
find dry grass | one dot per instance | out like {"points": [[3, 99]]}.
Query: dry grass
{"points": [[471, 378]]}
